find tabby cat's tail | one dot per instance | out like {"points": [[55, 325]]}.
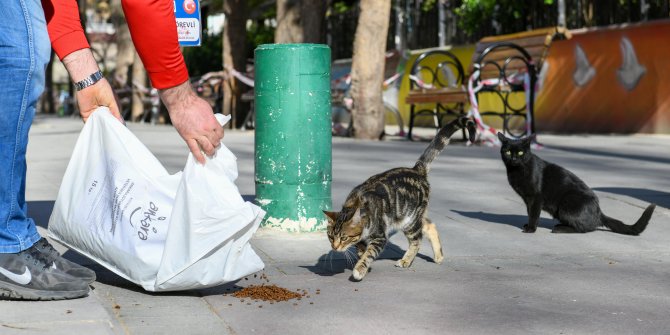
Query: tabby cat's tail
{"points": [[441, 140], [621, 228]]}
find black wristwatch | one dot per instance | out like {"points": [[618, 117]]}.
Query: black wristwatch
{"points": [[88, 81]]}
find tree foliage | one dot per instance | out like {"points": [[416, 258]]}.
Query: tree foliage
{"points": [[206, 58], [503, 15], [480, 18]]}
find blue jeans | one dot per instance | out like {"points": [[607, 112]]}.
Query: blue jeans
{"points": [[24, 54]]}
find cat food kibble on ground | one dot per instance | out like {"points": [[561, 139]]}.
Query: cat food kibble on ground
{"points": [[266, 293], [270, 293]]}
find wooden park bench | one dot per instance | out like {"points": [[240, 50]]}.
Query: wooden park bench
{"points": [[501, 65], [436, 87]]}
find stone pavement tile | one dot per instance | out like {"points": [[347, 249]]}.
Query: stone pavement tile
{"points": [[140, 312], [77, 316], [546, 295], [485, 295], [338, 305], [59, 328]]}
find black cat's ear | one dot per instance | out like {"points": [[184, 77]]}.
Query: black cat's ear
{"points": [[502, 137], [529, 139], [332, 216]]}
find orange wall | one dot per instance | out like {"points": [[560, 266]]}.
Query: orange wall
{"points": [[604, 105]]}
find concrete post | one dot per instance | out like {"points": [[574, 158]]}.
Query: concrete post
{"points": [[293, 156]]}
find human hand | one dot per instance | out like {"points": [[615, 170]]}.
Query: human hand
{"points": [[97, 95], [194, 120], [80, 64]]}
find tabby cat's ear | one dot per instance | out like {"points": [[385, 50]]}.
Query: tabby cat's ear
{"points": [[356, 219], [502, 137], [331, 215]]}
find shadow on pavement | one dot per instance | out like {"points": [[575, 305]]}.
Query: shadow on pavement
{"points": [[108, 277], [610, 154], [40, 211], [335, 262], [651, 196], [508, 219]]}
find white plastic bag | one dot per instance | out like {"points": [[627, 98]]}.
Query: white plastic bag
{"points": [[119, 206]]}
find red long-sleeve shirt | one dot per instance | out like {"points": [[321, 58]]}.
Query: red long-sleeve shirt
{"points": [[152, 27]]}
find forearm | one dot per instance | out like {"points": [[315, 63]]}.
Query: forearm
{"points": [[80, 64], [177, 97]]}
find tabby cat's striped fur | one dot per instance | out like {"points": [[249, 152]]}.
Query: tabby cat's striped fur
{"points": [[393, 200]]}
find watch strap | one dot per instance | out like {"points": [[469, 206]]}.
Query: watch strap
{"points": [[88, 81]]}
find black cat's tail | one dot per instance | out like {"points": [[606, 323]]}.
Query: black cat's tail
{"points": [[621, 228], [441, 140]]}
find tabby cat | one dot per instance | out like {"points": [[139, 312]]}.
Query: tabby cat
{"points": [[546, 186], [393, 200]]}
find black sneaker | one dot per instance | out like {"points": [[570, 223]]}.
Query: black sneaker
{"points": [[28, 275], [73, 269]]}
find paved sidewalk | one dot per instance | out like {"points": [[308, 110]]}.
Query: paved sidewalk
{"points": [[495, 279]]}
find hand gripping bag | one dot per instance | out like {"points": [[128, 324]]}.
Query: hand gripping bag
{"points": [[119, 206]]}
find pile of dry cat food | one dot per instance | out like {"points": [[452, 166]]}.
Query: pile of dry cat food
{"points": [[269, 292]]}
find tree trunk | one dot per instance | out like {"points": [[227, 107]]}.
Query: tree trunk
{"points": [[49, 88], [367, 69], [139, 76], [234, 51], [313, 13], [125, 50], [289, 29], [128, 64], [400, 40], [587, 12], [300, 21]]}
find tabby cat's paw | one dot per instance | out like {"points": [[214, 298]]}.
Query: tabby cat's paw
{"points": [[402, 263], [358, 275], [529, 229]]}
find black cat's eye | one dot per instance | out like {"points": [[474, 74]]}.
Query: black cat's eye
{"points": [[508, 152], [520, 153]]}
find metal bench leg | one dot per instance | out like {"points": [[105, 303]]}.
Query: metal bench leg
{"points": [[411, 123], [462, 112]]}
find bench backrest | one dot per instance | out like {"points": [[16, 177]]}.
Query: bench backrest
{"points": [[536, 44], [510, 63], [436, 69]]}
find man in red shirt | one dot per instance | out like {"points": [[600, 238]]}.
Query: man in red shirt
{"points": [[30, 268]]}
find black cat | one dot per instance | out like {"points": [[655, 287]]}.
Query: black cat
{"points": [[546, 186]]}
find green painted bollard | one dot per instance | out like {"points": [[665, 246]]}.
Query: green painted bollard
{"points": [[293, 135]]}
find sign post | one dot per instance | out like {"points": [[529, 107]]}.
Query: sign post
{"points": [[189, 30]]}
